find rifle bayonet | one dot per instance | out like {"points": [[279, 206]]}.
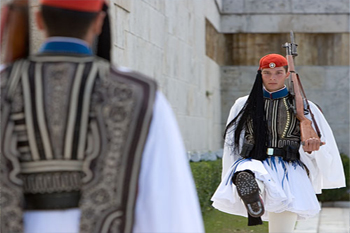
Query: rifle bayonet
{"points": [[293, 45]]}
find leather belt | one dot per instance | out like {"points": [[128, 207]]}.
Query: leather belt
{"points": [[52, 201], [276, 152], [288, 153]]}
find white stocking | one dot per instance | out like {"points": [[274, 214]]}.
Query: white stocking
{"points": [[282, 222]]}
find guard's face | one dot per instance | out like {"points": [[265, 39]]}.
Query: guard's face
{"points": [[273, 78]]}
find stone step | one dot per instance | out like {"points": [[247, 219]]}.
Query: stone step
{"points": [[330, 219]]}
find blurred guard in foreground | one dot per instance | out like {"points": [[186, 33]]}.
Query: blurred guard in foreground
{"points": [[86, 146]]}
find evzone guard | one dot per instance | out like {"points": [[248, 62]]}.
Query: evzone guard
{"points": [[275, 157]]}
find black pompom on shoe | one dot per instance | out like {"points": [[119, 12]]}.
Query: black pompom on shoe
{"points": [[248, 190]]}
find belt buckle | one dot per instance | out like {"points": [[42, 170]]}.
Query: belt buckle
{"points": [[269, 151]]}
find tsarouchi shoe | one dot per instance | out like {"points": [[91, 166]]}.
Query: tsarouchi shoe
{"points": [[248, 190]]}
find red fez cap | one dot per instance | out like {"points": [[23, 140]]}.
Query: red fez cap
{"points": [[272, 60], [76, 5]]}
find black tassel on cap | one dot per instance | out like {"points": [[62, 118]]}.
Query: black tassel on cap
{"points": [[253, 110], [104, 39]]}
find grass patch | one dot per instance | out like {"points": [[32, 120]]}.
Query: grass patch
{"points": [[340, 194], [207, 176], [216, 221]]}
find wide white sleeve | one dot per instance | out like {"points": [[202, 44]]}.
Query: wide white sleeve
{"points": [[325, 165], [167, 199]]}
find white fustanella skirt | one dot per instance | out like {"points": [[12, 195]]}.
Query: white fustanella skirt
{"points": [[286, 188]]}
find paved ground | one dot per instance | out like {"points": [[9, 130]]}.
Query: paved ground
{"points": [[333, 218]]}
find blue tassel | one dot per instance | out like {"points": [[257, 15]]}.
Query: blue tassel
{"points": [[234, 166]]}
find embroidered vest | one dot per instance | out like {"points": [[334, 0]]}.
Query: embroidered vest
{"points": [[73, 131], [282, 125]]}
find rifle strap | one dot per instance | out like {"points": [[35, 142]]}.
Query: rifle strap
{"points": [[14, 30], [308, 107], [4, 22]]}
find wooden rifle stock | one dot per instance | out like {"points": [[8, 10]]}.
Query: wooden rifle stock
{"points": [[296, 89], [15, 31], [299, 102]]}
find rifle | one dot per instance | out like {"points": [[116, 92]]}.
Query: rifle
{"points": [[14, 30], [300, 101]]}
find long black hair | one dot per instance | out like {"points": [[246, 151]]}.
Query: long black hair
{"points": [[253, 110]]}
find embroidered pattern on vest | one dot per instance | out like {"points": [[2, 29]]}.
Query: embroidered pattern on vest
{"points": [[282, 125], [81, 127], [11, 185]]}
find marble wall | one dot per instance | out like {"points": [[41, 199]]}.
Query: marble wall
{"points": [[278, 16], [166, 40]]}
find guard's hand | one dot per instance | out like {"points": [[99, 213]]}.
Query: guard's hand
{"points": [[312, 144]]}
